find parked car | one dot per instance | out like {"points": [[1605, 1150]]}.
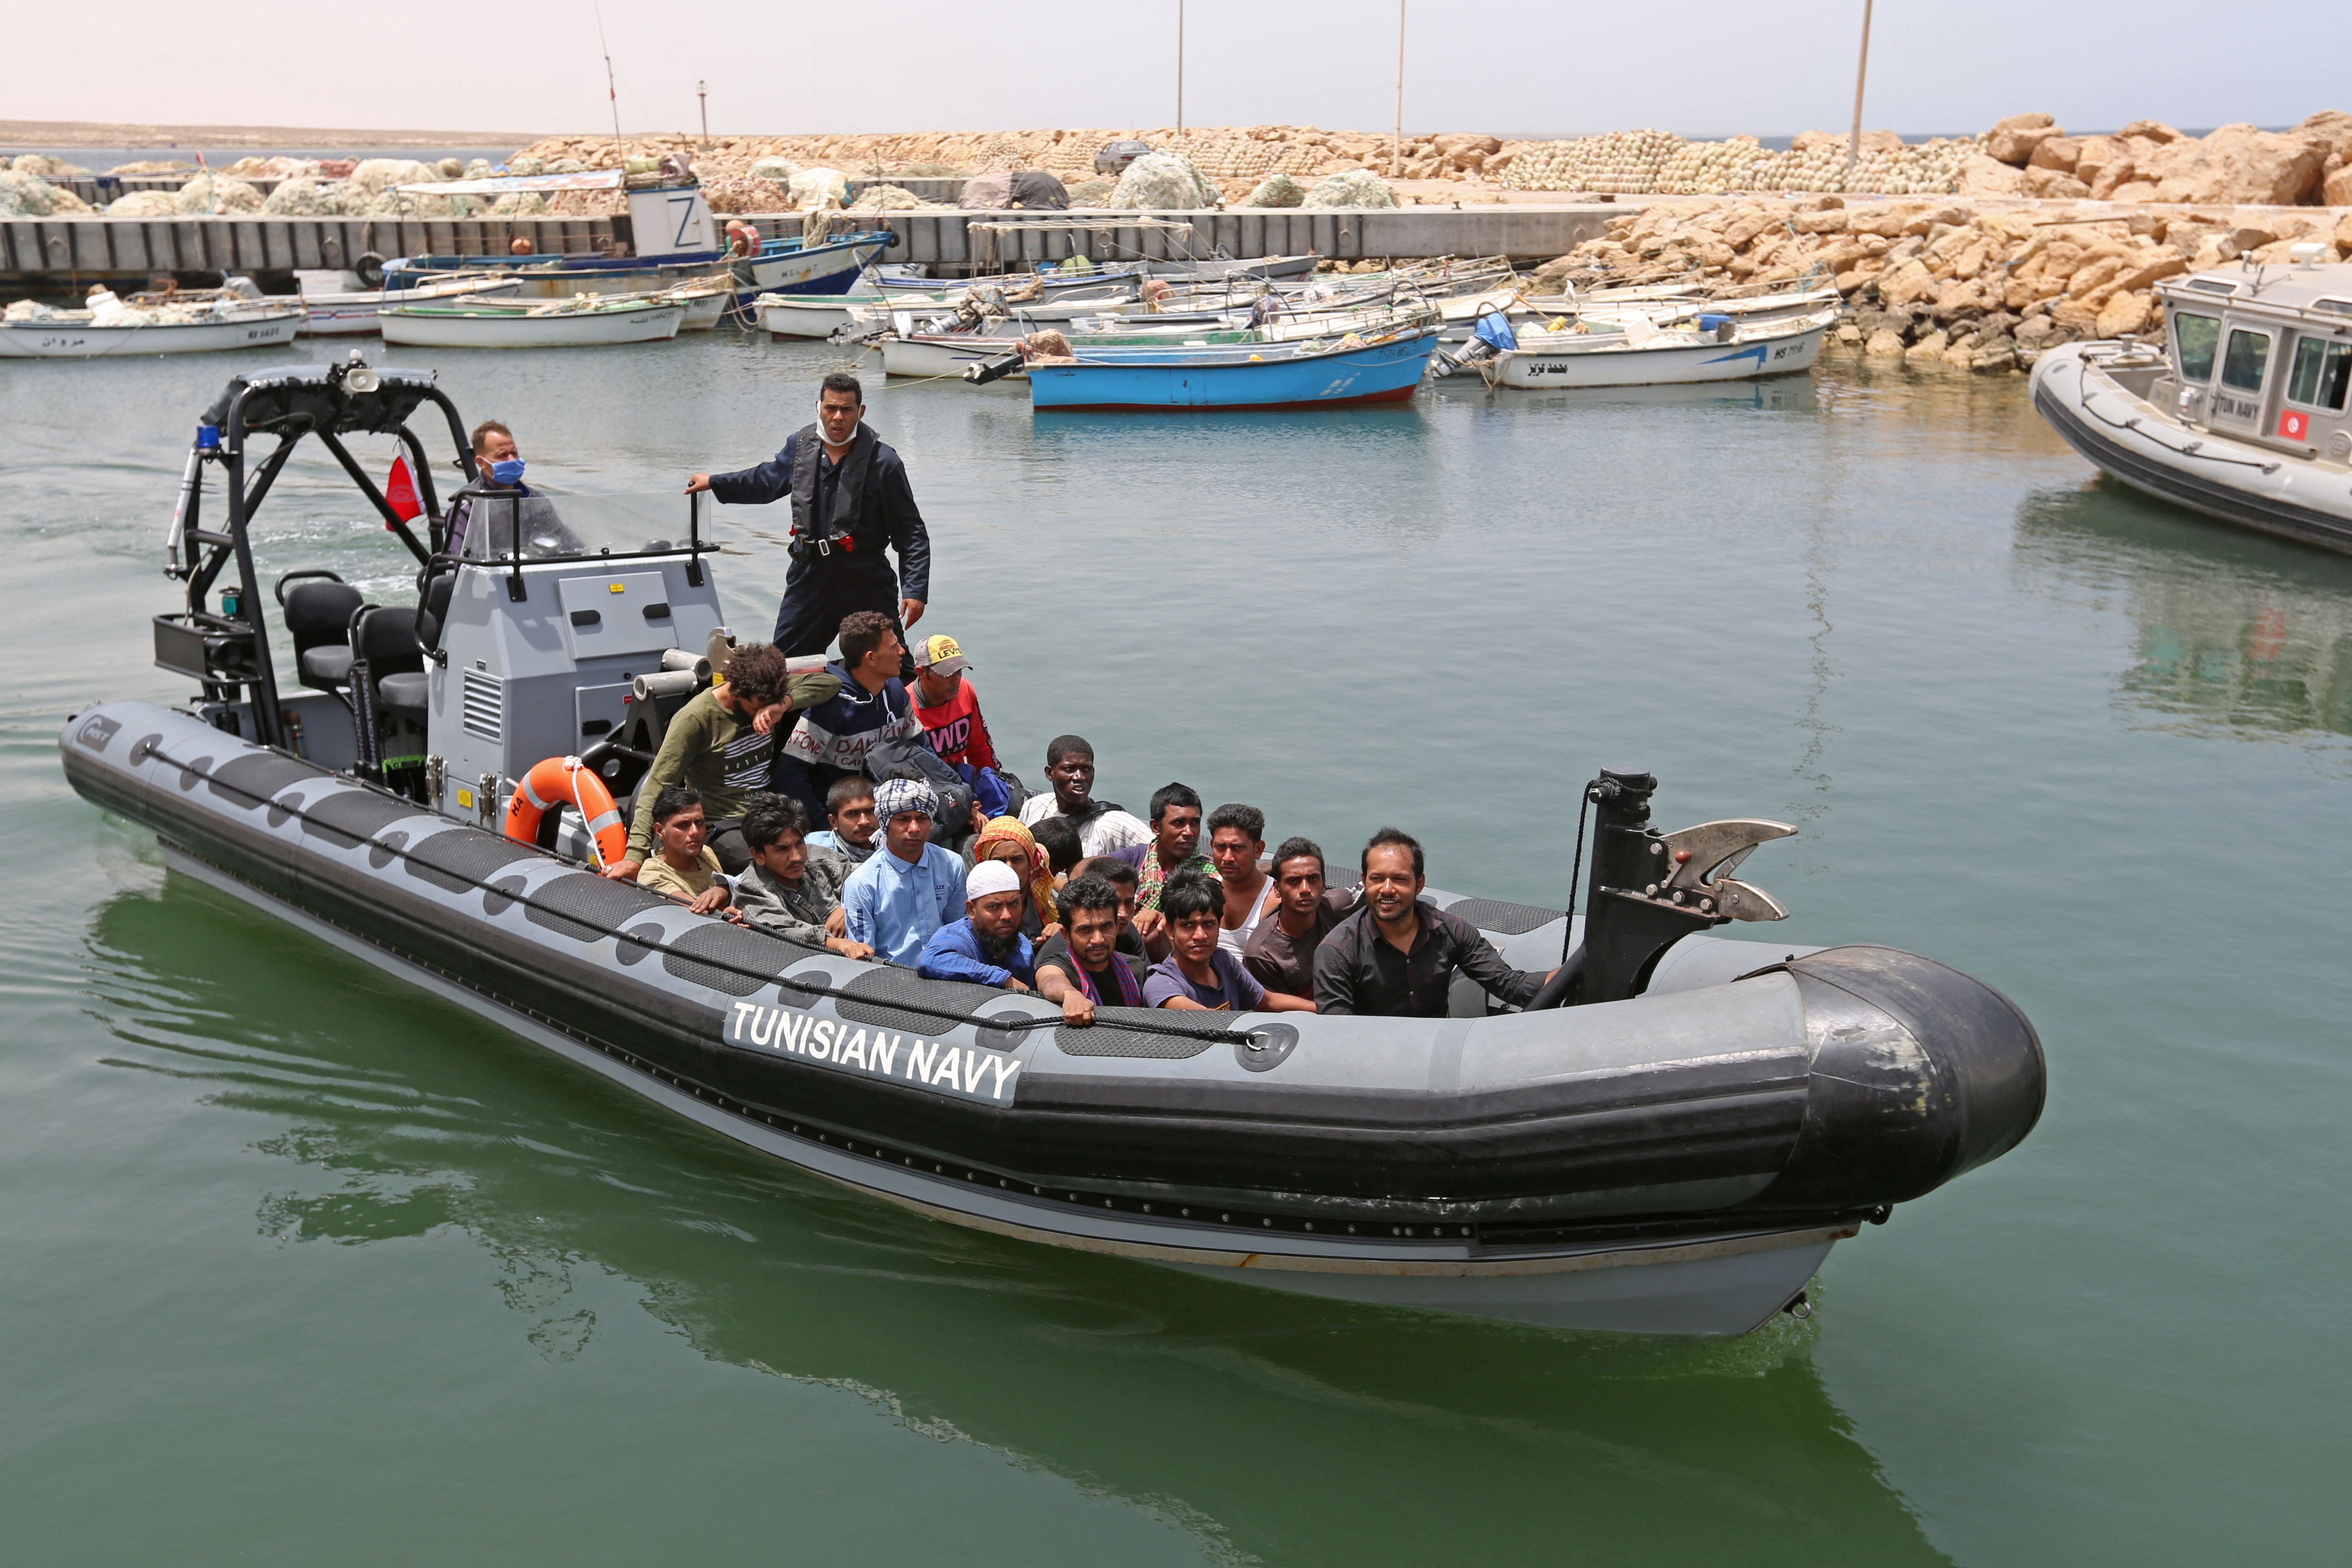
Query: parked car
{"points": [[1116, 156]]}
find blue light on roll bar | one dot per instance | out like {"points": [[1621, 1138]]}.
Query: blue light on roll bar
{"points": [[208, 438]]}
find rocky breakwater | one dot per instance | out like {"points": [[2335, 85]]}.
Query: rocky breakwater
{"points": [[1984, 285], [2148, 161]]}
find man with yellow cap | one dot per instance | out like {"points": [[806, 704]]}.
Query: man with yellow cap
{"points": [[947, 705]]}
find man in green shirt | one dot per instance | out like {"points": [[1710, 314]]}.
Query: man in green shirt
{"points": [[719, 745]]}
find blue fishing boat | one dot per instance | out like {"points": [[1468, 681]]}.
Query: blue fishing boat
{"points": [[1267, 375]]}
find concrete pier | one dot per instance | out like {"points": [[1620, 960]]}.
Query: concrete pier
{"points": [[52, 254]]}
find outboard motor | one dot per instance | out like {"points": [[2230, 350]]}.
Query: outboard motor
{"points": [[1491, 336], [1649, 889]]}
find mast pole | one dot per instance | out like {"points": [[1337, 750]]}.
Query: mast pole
{"points": [[1179, 68], [1861, 75]]}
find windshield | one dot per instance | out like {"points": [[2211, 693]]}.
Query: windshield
{"points": [[559, 524], [2199, 337]]}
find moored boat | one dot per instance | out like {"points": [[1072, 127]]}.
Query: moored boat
{"points": [[148, 325], [350, 312], [586, 321], [1315, 373], [1637, 352], [2240, 414]]}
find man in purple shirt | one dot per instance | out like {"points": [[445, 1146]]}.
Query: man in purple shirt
{"points": [[1200, 975]]}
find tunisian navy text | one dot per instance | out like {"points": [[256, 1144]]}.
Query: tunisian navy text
{"points": [[966, 1071]]}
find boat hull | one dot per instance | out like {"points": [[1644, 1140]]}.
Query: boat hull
{"points": [[355, 313], [1381, 372], [37, 340], [2221, 479], [830, 269], [1790, 353], [593, 329], [1675, 1163]]}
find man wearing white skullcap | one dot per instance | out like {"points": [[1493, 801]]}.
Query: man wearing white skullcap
{"points": [[896, 900], [986, 946]]}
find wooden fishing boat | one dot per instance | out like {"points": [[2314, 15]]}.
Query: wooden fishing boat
{"points": [[202, 325], [1318, 373], [350, 312], [1640, 353], [586, 321]]}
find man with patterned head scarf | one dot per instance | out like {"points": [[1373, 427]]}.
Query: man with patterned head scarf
{"points": [[895, 901]]}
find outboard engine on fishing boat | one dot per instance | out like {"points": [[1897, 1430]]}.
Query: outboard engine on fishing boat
{"points": [[1491, 336]]}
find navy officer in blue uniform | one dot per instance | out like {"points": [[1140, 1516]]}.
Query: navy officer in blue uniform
{"points": [[851, 503]]}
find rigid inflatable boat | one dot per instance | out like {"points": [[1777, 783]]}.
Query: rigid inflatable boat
{"points": [[2242, 414], [1669, 1139]]}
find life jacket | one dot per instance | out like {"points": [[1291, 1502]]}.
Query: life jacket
{"points": [[848, 523]]}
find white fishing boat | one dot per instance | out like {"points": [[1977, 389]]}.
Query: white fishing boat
{"points": [[582, 322], [1638, 351], [147, 325], [338, 308], [705, 300]]}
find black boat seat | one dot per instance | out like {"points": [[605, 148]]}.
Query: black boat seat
{"points": [[328, 666], [408, 692], [319, 610]]}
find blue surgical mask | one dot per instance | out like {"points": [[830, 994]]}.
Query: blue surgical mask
{"points": [[508, 472]]}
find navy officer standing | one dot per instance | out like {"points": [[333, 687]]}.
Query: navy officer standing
{"points": [[848, 505]]}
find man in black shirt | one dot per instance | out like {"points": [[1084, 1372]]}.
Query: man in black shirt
{"points": [[851, 503], [1081, 967], [1395, 957]]}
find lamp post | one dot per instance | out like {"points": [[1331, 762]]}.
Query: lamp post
{"points": [[702, 92], [1861, 74], [1179, 68], [1396, 147]]}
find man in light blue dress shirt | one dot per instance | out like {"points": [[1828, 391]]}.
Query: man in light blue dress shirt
{"points": [[897, 899]]}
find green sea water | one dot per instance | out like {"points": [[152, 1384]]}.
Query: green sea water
{"points": [[299, 1264]]}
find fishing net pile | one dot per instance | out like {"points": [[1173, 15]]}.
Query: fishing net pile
{"points": [[889, 198], [1277, 190], [42, 166], [254, 167], [303, 196], [219, 194], [743, 194], [145, 204], [1639, 163], [780, 170], [1163, 182], [1092, 193], [1359, 189], [24, 194], [813, 188]]}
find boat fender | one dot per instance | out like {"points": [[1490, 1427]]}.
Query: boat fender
{"points": [[370, 267], [562, 780], [895, 240]]}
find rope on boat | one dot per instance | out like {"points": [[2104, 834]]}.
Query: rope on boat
{"points": [[1007, 1025]]}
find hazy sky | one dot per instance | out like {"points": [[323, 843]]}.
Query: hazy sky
{"points": [[1696, 67]]}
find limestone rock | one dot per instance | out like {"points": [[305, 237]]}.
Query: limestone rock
{"points": [[2123, 314], [2343, 235], [1829, 222], [1928, 348], [2336, 190], [2059, 153], [1983, 176], [2332, 126], [1993, 355], [2054, 184], [1885, 344], [2155, 131], [2236, 164], [2013, 140]]}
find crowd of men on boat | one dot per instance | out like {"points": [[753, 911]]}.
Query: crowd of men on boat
{"points": [[933, 855]]}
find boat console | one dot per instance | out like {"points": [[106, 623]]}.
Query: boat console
{"points": [[540, 628]]}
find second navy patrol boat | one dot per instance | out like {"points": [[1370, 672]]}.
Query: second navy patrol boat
{"points": [[1670, 1139]]}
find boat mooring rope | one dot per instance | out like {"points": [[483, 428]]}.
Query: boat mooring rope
{"points": [[806, 988]]}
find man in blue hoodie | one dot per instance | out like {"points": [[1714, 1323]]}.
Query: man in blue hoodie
{"points": [[832, 738]]}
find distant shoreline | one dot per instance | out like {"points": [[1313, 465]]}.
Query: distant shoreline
{"points": [[259, 138]]}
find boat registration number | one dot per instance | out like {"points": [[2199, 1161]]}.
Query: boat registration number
{"points": [[2235, 407], [968, 1072]]}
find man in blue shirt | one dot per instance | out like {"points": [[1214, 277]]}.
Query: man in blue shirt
{"points": [[851, 502], [895, 901], [986, 946]]}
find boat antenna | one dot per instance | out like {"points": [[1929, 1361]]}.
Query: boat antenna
{"points": [[613, 91]]}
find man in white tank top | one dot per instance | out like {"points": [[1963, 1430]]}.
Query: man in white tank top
{"points": [[1236, 844]]}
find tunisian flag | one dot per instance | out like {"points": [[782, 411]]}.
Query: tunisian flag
{"points": [[400, 490]]}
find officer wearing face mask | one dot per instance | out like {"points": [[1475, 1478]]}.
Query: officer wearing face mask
{"points": [[483, 518]]}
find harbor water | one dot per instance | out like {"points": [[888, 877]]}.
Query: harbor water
{"points": [[301, 1264]]}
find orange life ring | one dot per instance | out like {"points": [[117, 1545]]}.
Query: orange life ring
{"points": [[561, 780]]}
